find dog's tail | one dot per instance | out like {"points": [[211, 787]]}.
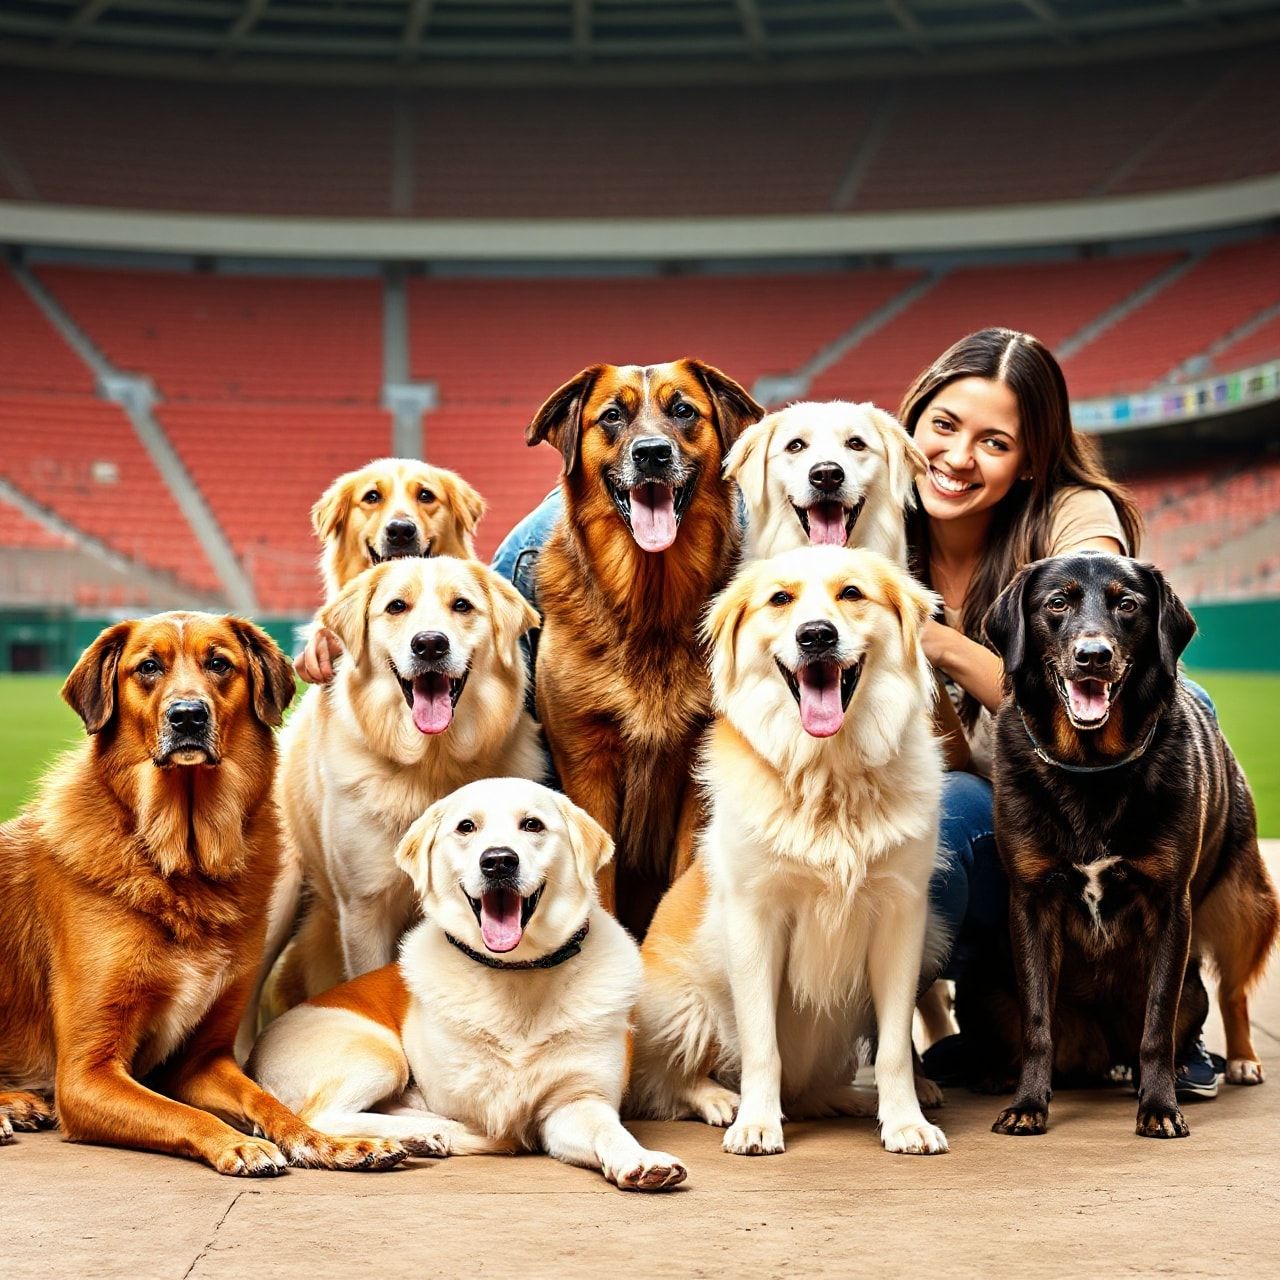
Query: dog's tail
{"points": [[469, 1142]]}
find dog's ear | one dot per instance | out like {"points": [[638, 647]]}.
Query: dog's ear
{"points": [[914, 604], [721, 626], [464, 503], [1174, 624], [591, 843], [512, 616], [560, 418], [906, 459], [735, 408], [330, 513], [748, 461], [270, 672], [90, 689], [347, 615], [414, 852], [1005, 623]]}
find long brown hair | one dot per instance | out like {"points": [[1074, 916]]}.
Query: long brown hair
{"points": [[1058, 458]]}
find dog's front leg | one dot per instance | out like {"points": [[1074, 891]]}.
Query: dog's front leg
{"points": [[588, 1132], [1158, 1113], [368, 928], [755, 963], [897, 945], [1035, 929]]}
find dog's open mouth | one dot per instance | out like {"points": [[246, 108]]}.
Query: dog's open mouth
{"points": [[827, 523], [822, 691], [432, 698], [653, 511], [396, 553], [1087, 701], [503, 915]]}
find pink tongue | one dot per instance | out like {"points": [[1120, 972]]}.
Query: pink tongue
{"points": [[500, 925], [432, 706], [820, 709], [1088, 699], [826, 524], [653, 516]]}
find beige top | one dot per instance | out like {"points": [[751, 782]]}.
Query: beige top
{"points": [[1079, 515]]}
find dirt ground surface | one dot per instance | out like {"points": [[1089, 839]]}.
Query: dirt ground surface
{"points": [[1088, 1198]]}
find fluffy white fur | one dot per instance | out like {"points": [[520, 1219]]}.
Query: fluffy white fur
{"points": [[772, 461], [501, 1060], [801, 928]]}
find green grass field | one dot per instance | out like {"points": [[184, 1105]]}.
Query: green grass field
{"points": [[35, 725]]}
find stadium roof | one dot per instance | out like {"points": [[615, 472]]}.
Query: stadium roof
{"points": [[606, 41]]}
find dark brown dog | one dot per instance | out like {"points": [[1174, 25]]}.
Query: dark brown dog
{"points": [[649, 534], [1128, 834], [134, 892]]}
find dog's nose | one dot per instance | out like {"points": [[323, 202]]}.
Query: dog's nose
{"points": [[429, 644], [817, 637], [652, 453], [189, 716], [1093, 653], [826, 477], [400, 534], [499, 863]]}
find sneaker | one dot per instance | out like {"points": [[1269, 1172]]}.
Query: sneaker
{"points": [[1198, 1077]]}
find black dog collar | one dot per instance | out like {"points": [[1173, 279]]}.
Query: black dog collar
{"points": [[1139, 750], [566, 952]]}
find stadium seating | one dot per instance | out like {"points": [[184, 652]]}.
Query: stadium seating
{"points": [[33, 356], [19, 532]]}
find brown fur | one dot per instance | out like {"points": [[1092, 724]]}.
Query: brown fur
{"points": [[622, 687], [134, 893]]}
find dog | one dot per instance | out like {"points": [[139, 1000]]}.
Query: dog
{"points": [[134, 891], [430, 695], [389, 509], [1128, 834], [830, 474], [649, 534], [801, 926], [508, 1008]]}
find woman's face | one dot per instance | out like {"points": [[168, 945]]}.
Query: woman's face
{"points": [[971, 435]]}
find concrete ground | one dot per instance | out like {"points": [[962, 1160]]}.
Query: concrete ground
{"points": [[1088, 1198]]}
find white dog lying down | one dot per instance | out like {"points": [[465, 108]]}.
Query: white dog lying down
{"points": [[826, 474], [800, 928], [509, 1006]]}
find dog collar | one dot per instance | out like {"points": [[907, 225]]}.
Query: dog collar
{"points": [[566, 952], [1139, 750]]}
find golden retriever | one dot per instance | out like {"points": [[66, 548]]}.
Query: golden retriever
{"points": [[801, 926], [508, 1008], [134, 892]]}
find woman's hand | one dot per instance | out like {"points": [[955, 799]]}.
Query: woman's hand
{"points": [[977, 670], [315, 663]]}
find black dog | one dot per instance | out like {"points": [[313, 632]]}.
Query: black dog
{"points": [[1128, 834]]}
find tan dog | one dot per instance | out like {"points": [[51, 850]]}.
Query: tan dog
{"points": [[389, 509], [508, 1008], [800, 929], [134, 893], [430, 696]]}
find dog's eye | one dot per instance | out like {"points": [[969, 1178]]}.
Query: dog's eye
{"points": [[149, 667], [466, 827], [779, 598], [372, 496], [851, 593], [682, 410], [1056, 604], [1126, 604], [218, 665], [795, 446], [397, 606], [533, 824], [462, 605], [425, 495], [612, 416], [856, 443]]}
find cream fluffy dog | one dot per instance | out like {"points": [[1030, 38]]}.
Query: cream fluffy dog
{"points": [[826, 474], [509, 1006], [801, 927], [429, 696]]}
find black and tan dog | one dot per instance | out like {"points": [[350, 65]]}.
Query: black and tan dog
{"points": [[1129, 837]]}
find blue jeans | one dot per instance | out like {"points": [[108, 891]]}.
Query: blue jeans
{"points": [[529, 535]]}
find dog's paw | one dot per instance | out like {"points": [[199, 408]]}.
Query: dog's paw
{"points": [[1158, 1120], [433, 1144], [653, 1171], [748, 1137], [839, 1100], [929, 1093], [25, 1112], [244, 1157], [312, 1150], [1244, 1071], [713, 1103], [914, 1139], [1022, 1119]]}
